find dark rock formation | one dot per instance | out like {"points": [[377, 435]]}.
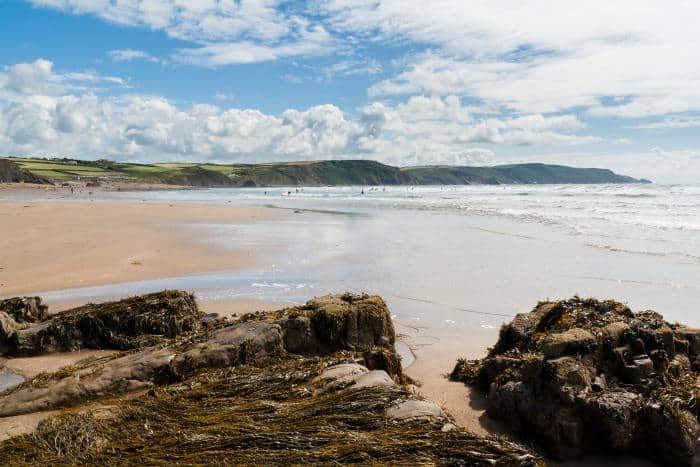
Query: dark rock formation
{"points": [[585, 375], [127, 324], [10, 172], [324, 325]]}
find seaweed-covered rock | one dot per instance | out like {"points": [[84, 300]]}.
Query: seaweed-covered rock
{"points": [[24, 309], [246, 393], [8, 332], [359, 322], [588, 375], [264, 414], [122, 325]]}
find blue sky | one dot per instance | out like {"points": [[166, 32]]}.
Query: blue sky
{"points": [[401, 81]]}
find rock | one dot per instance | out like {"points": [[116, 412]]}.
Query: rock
{"points": [[585, 376], [574, 340], [351, 376], [614, 333], [25, 309], [567, 374], [9, 380], [661, 361], [124, 374], [386, 359], [230, 346], [332, 322], [259, 414], [126, 324], [681, 345], [415, 409], [623, 356], [358, 322], [614, 415], [691, 335], [298, 335], [342, 371], [371, 379], [447, 427], [339, 376], [639, 370], [11, 172], [492, 367], [638, 347], [680, 365], [8, 332], [349, 321], [679, 434]]}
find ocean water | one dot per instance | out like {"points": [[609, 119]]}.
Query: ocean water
{"points": [[453, 263], [648, 219]]}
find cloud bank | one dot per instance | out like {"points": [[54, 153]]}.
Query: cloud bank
{"points": [[45, 112]]}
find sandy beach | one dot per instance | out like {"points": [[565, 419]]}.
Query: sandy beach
{"points": [[55, 245]]}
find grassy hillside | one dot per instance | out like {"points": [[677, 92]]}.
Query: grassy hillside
{"points": [[313, 173], [513, 174]]}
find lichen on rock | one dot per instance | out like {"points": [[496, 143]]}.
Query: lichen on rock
{"points": [[586, 375]]}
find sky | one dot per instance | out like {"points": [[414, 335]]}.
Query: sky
{"points": [[404, 82]]}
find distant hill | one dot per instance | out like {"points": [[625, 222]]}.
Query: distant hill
{"points": [[514, 174], [311, 173]]}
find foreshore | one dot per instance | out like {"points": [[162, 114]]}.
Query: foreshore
{"points": [[62, 244]]}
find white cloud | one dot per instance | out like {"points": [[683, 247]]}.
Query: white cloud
{"points": [[225, 31], [225, 96], [41, 113], [128, 55], [628, 58], [38, 78], [547, 56], [312, 40], [688, 122]]}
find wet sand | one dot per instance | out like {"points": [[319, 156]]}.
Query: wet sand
{"points": [[435, 360], [46, 245]]}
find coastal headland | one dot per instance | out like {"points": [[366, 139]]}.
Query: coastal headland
{"points": [[301, 173]]}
